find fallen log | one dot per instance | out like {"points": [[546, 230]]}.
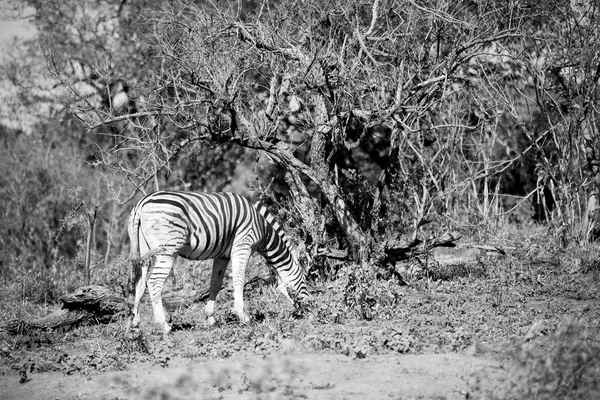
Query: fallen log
{"points": [[96, 299], [88, 303], [185, 298], [399, 250], [97, 304], [58, 319]]}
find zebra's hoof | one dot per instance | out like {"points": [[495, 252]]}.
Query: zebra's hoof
{"points": [[133, 333], [167, 340], [244, 319], [132, 330], [242, 316]]}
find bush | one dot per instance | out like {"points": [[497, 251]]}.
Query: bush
{"points": [[570, 369], [364, 293]]}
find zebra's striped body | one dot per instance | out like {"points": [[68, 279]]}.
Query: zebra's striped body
{"points": [[201, 226]]}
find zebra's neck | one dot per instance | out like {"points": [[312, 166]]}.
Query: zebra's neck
{"points": [[277, 250], [275, 247]]}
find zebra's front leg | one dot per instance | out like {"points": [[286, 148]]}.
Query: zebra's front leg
{"points": [[239, 260], [282, 288], [160, 272], [216, 281]]}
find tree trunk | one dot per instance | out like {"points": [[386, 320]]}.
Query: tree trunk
{"points": [[287, 160], [590, 219], [91, 217]]}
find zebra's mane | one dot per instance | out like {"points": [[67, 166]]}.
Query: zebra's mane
{"points": [[264, 211]]}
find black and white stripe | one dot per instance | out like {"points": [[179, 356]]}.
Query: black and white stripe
{"points": [[201, 226]]}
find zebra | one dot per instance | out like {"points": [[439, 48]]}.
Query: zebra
{"points": [[200, 226]]}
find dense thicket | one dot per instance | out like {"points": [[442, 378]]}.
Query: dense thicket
{"points": [[363, 119]]}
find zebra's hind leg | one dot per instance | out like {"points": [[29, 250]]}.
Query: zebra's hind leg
{"points": [[140, 287], [216, 281], [156, 281]]}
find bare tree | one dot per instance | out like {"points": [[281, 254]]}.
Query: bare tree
{"points": [[377, 92]]}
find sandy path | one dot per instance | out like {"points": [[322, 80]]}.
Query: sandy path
{"points": [[298, 376]]}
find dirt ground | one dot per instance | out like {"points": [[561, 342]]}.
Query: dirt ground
{"points": [[472, 337], [288, 376]]}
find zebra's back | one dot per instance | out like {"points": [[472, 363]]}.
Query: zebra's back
{"points": [[196, 226]]}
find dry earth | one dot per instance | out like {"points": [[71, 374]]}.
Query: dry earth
{"points": [[281, 376]]}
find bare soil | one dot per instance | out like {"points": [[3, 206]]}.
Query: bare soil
{"points": [[278, 376]]}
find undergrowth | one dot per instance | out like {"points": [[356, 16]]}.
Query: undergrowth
{"points": [[566, 366]]}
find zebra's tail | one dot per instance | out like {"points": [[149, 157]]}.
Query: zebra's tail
{"points": [[134, 233], [136, 265]]}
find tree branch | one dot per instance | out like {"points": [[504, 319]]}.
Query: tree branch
{"points": [[288, 52]]}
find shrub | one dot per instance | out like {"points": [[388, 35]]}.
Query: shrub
{"points": [[364, 293], [570, 369]]}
